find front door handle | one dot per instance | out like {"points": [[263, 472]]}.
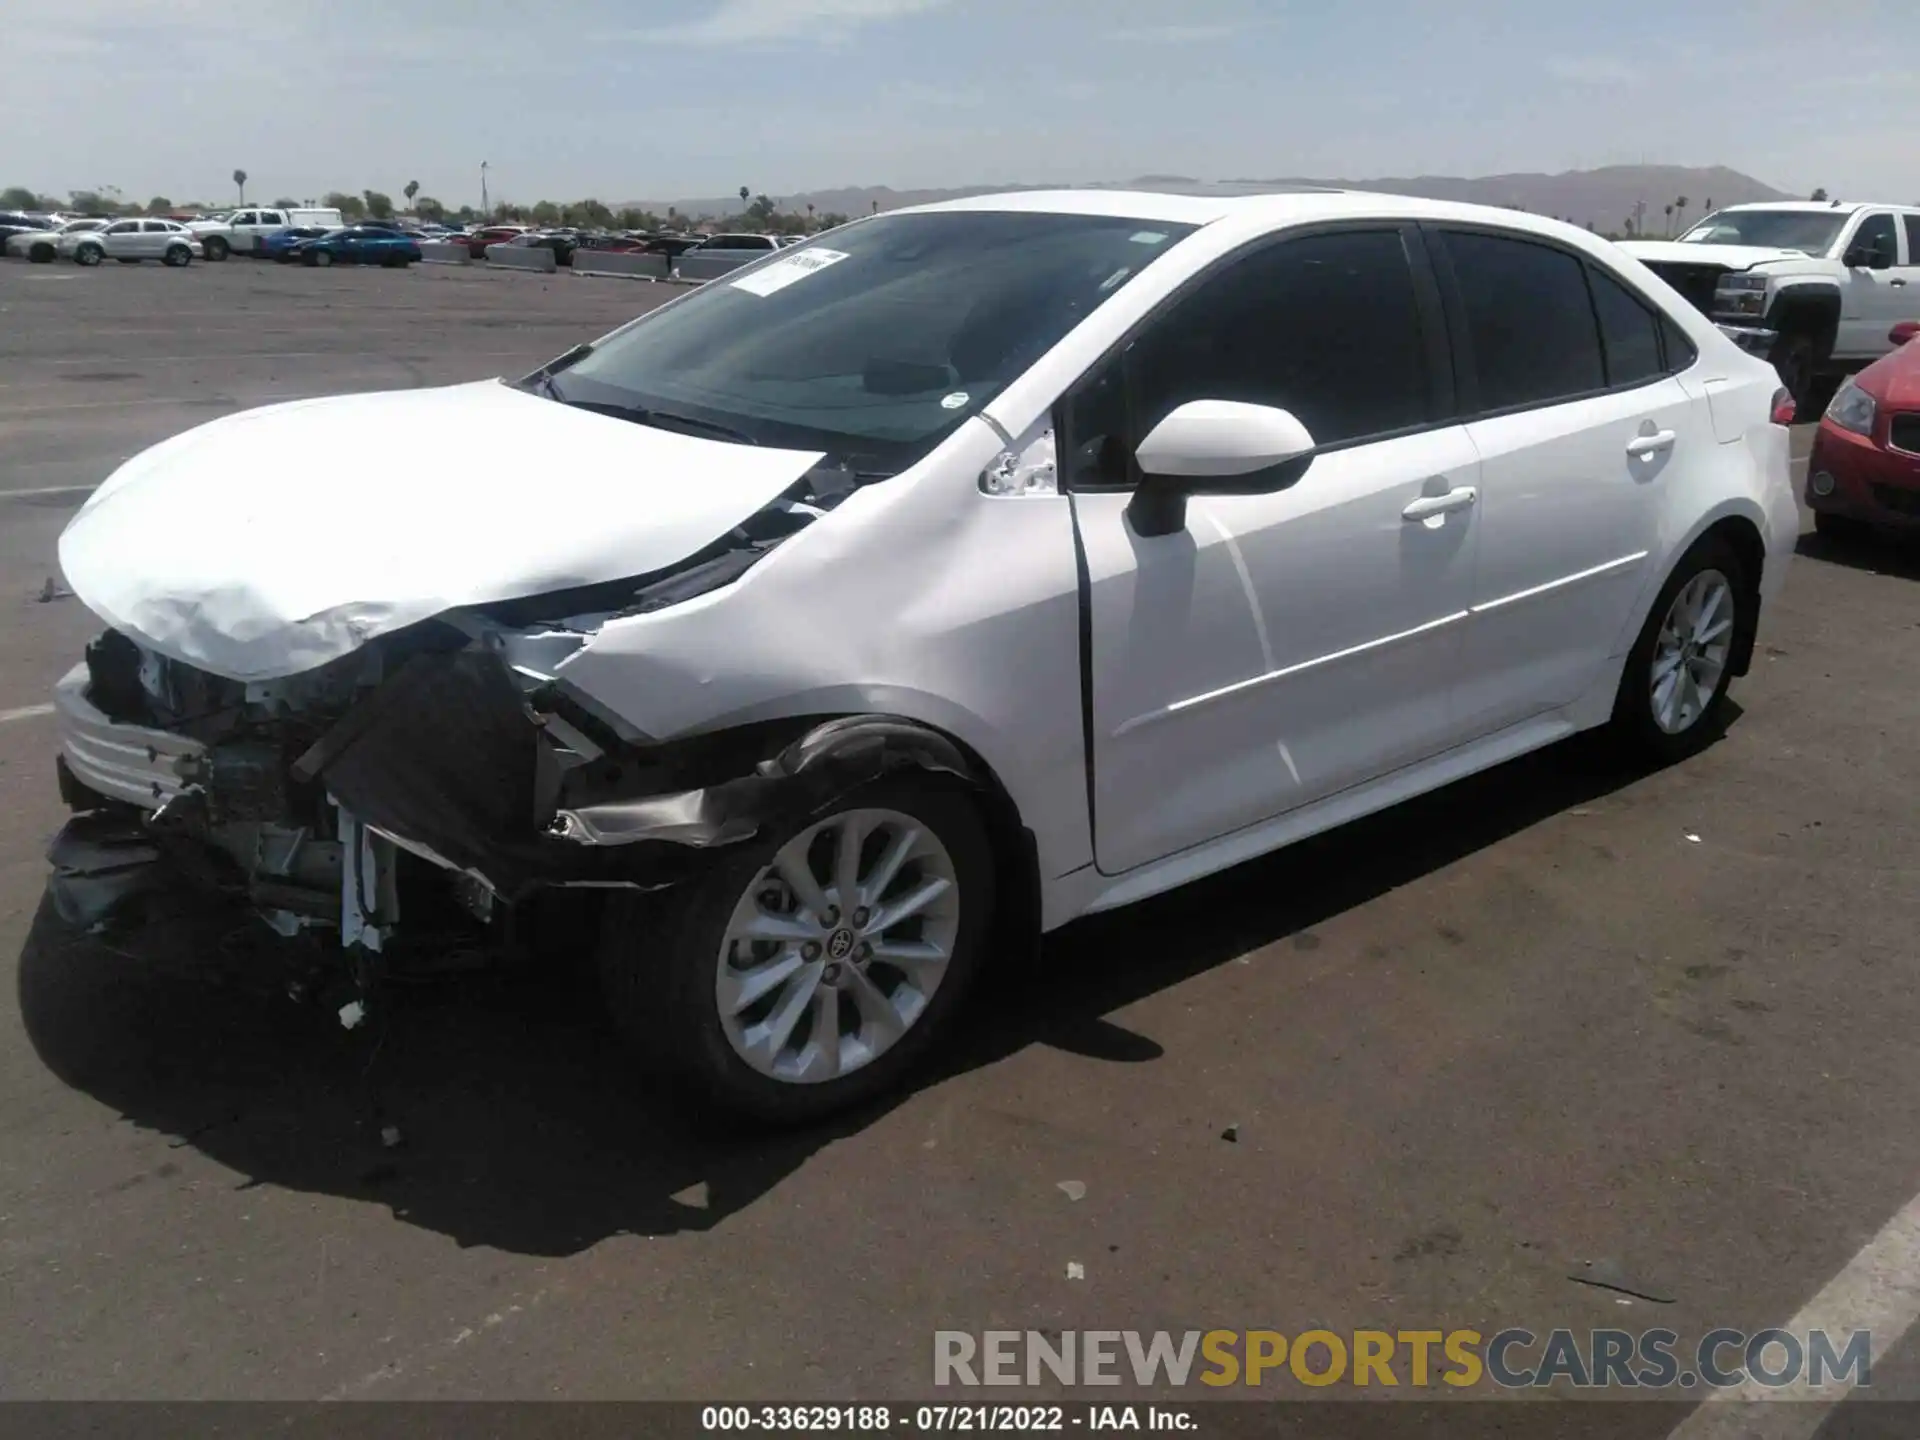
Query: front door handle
{"points": [[1651, 444], [1428, 506], [1896, 282]]}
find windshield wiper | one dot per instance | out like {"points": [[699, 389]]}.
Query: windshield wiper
{"points": [[541, 380], [667, 420]]}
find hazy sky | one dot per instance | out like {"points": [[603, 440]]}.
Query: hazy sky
{"points": [[648, 99]]}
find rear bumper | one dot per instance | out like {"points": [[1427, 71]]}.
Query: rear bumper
{"points": [[1863, 480]]}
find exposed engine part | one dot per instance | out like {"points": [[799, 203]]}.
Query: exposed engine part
{"points": [[452, 759]]}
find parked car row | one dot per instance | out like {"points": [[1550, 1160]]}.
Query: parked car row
{"points": [[90, 241]]}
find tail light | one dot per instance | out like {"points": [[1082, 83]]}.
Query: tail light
{"points": [[1783, 407]]}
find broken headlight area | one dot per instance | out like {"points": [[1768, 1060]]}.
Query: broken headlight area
{"points": [[450, 757], [174, 769]]}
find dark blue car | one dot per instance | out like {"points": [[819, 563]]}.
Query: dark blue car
{"points": [[278, 245], [358, 245]]}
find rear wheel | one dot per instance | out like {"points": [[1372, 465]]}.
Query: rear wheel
{"points": [[811, 967], [1673, 691]]}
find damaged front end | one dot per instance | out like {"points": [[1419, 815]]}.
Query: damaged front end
{"points": [[449, 760]]}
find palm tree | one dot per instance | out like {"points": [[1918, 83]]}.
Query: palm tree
{"points": [[1680, 205], [1669, 221], [240, 179], [413, 189], [745, 195], [809, 217]]}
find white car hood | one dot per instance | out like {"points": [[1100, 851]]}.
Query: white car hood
{"points": [[1734, 257], [273, 541]]}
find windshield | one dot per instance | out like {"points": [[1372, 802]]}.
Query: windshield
{"points": [[1813, 231], [875, 342]]}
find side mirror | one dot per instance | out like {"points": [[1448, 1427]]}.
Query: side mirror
{"points": [[1903, 333], [1218, 447]]}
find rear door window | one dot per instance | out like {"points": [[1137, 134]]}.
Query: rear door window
{"points": [[1530, 325], [1913, 238], [1629, 332]]}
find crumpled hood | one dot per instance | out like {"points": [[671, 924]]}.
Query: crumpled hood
{"points": [[1734, 257], [273, 541]]}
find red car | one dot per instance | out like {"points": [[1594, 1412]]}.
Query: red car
{"points": [[478, 241], [1865, 468]]}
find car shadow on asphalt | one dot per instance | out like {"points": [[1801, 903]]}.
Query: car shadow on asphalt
{"points": [[519, 1121], [1881, 554]]}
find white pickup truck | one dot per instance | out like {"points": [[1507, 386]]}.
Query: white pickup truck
{"points": [[239, 231], [1814, 286]]}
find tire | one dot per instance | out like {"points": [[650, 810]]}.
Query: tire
{"points": [[320, 257], [41, 254], [1671, 729], [1795, 358], [663, 960], [88, 255], [216, 247], [1841, 528], [178, 255]]}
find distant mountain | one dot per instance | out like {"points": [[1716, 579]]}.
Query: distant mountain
{"points": [[1604, 197]]}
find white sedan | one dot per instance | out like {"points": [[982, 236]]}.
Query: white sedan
{"points": [[926, 586], [42, 246], [131, 241]]}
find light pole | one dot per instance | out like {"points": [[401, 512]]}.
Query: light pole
{"points": [[486, 211]]}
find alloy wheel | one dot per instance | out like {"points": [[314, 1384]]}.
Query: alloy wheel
{"points": [[1691, 651], [835, 949]]}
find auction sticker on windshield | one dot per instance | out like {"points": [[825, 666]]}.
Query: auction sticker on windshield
{"points": [[787, 271]]}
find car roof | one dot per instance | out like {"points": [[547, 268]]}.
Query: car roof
{"points": [[1273, 206], [1823, 207]]}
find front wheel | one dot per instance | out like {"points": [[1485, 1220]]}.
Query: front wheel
{"points": [[89, 255], [1673, 692], [320, 257], [812, 966], [1794, 359], [216, 247], [1845, 528], [41, 254], [178, 255]]}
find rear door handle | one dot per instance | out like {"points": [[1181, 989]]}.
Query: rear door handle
{"points": [[1428, 506], [1651, 444]]}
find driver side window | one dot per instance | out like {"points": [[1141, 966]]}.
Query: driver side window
{"points": [[1327, 326], [1876, 241]]}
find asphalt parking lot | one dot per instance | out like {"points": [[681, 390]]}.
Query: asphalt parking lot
{"points": [[1554, 1024]]}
